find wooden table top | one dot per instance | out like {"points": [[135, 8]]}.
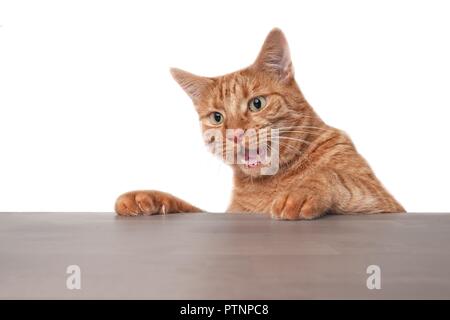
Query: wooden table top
{"points": [[224, 256]]}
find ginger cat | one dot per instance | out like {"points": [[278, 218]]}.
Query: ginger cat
{"points": [[319, 170]]}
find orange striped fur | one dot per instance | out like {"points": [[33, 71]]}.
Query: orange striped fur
{"points": [[320, 170]]}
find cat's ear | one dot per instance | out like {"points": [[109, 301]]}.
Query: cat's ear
{"points": [[275, 57], [192, 84]]}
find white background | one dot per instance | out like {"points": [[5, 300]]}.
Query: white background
{"points": [[88, 109]]}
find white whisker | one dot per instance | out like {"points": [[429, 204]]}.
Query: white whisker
{"points": [[295, 139], [306, 132], [308, 127], [289, 147]]}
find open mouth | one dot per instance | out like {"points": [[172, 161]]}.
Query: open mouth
{"points": [[253, 158]]}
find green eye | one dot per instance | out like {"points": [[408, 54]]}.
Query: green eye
{"points": [[216, 118], [257, 103]]}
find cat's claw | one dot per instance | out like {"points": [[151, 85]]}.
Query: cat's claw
{"points": [[297, 207], [137, 203], [149, 202]]}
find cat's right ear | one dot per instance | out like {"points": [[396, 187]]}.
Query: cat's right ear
{"points": [[192, 84], [275, 58]]}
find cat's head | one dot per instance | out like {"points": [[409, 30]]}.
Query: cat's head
{"points": [[253, 100]]}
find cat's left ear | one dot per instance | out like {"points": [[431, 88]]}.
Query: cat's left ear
{"points": [[275, 57], [192, 84]]}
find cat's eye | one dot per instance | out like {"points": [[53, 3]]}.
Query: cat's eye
{"points": [[257, 103], [216, 118]]}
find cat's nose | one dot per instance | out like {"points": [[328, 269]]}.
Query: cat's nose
{"points": [[236, 136]]}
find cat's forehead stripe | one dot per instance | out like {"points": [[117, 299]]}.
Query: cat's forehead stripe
{"points": [[231, 93]]}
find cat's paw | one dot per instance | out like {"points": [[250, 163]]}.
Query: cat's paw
{"points": [[141, 203], [295, 206]]}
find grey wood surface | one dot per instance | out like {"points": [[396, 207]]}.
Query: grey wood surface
{"points": [[223, 256]]}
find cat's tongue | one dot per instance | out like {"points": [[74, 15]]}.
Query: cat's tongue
{"points": [[252, 158]]}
